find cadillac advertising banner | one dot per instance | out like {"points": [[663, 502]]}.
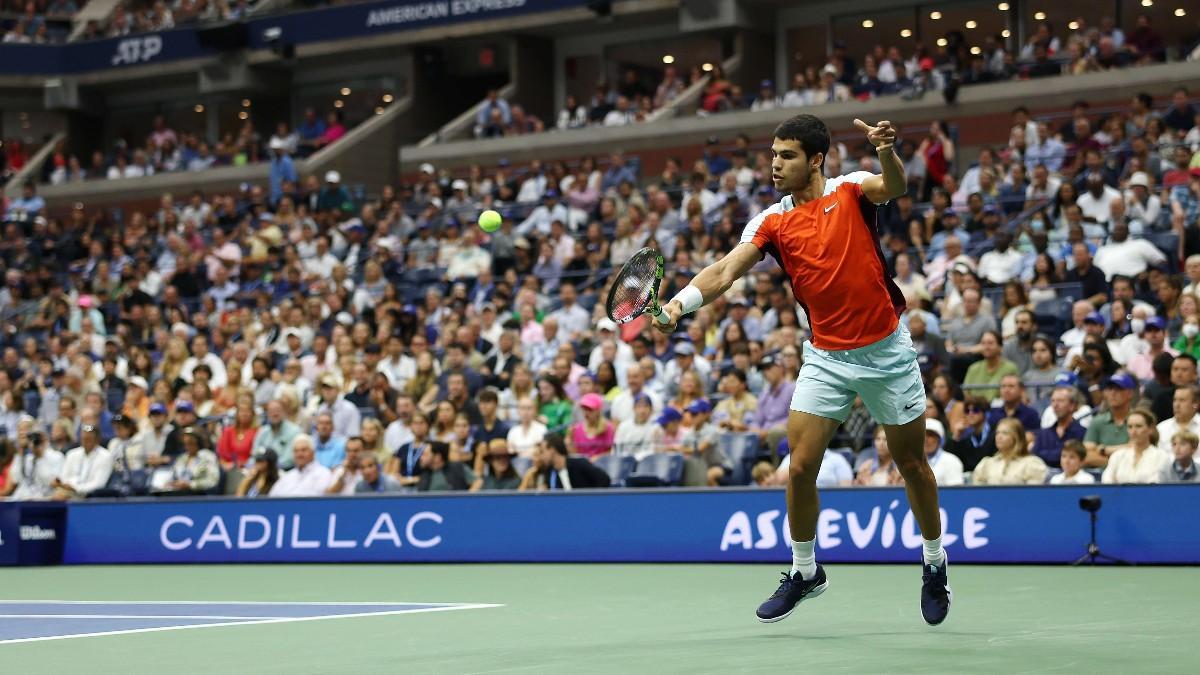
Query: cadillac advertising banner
{"points": [[1145, 524]]}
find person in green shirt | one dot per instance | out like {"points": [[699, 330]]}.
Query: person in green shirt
{"points": [[1107, 432], [554, 408], [992, 368], [1189, 340]]}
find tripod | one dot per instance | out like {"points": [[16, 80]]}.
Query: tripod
{"points": [[1093, 549]]}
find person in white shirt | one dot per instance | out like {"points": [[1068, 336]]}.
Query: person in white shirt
{"points": [[1140, 461], [543, 215], [947, 469], [308, 478], [1071, 460], [321, 265], [767, 100], [200, 354], [32, 472], [85, 469], [1096, 200], [525, 436], [1183, 406], [1125, 256], [636, 437], [1140, 201], [622, 408], [1003, 263], [620, 115], [799, 95], [606, 331]]}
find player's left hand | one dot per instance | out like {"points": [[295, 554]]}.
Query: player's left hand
{"points": [[882, 135]]}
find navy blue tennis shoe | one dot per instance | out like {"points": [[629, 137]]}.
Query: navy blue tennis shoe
{"points": [[935, 594], [791, 592]]}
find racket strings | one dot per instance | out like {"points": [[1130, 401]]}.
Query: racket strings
{"points": [[633, 288]]}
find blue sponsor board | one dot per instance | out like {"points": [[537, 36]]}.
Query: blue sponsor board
{"points": [[32, 533], [1153, 524], [297, 28]]}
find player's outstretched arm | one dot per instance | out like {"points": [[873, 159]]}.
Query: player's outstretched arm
{"points": [[892, 182], [710, 284]]}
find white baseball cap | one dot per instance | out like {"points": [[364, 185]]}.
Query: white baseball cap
{"points": [[1140, 178], [935, 427], [333, 177], [606, 324], [426, 168], [459, 184]]}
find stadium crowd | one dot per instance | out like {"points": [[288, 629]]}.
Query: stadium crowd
{"points": [[293, 339], [164, 150]]}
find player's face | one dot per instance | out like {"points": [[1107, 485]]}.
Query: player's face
{"points": [[791, 167]]}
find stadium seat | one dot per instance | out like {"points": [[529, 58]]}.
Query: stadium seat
{"points": [[521, 464], [657, 470], [616, 466], [742, 451]]}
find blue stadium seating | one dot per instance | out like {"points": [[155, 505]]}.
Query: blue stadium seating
{"points": [[657, 470], [617, 467], [742, 451]]}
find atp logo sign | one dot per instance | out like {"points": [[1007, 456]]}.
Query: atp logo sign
{"points": [[137, 50]]}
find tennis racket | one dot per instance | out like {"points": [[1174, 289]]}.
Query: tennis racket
{"points": [[635, 290]]}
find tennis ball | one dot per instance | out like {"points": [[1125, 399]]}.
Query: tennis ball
{"points": [[489, 220]]}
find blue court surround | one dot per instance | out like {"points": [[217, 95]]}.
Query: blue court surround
{"points": [[34, 620]]}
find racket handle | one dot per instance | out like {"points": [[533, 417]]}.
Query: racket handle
{"points": [[661, 316]]}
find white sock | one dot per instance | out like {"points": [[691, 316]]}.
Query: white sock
{"points": [[804, 559], [934, 553]]}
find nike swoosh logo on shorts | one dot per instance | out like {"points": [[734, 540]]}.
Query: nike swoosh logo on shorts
{"points": [[909, 406], [831, 207]]}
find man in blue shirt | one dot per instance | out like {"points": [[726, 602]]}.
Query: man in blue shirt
{"points": [[330, 449], [1012, 395], [26, 207], [282, 169], [1048, 442]]}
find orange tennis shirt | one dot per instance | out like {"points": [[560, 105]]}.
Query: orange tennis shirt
{"points": [[830, 249]]}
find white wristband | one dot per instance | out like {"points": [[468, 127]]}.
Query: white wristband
{"points": [[691, 298]]}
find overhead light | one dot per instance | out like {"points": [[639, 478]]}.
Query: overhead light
{"points": [[906, 33], [199, 108], [243, 115], [1003, 7], [1180, 12], [245, 103], [1074, 25], [338, 103], [379, 110], [345, 91], [971, 24], [388, 98], [668, 59], [867, 23], [1147, 3], [976, 50], [707, 67], [941, 42], [1005, 33], [935, 15], [1040, 16]]}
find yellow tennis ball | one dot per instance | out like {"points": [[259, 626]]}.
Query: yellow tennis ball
{"points": [[489, 220]]}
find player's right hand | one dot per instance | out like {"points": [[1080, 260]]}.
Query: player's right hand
{"points": [[673, 311]]}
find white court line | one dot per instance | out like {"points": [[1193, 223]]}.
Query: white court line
{"points": [[251, 623], [133, 616], [223, 602]]}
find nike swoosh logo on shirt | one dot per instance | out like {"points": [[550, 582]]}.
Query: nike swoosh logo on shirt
{"points": [[831, 207]]}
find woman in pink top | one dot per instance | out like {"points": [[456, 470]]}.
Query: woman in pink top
{"points": [[593, 435], [334, 129]]}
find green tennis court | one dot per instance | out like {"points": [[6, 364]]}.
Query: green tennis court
{"points": [[627, 618]]}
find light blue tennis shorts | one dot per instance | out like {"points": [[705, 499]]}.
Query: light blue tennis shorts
{"points": [[885, 374]]}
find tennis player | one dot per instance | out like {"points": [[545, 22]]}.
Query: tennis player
{"points": [[823, 234]]}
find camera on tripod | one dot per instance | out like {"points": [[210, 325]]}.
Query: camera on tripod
{"points": [[1090, 503]]}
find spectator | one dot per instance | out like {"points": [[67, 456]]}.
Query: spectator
{"points": [[553, 469], [947, 469], [992, 368], [277, 436], [1050, 442], [373, 480], [498, 473], [637, 436], [1182, 467], [1012, 464], [197, 470], [85, 469], [1181, 115], [1125, 256], [766, 100], [261, 477], [308, 478], [347, 420], [330, 448], [528, 432], [1071, 460], [770, 419], [1141, 461], [1108, 431], [282, 170], [438, 473], [971, 437], [1020, 347], [593, 435], [1012, 405], [572, 116], [236, 443], [34, 469], [878, 469], [1184, 405], [348, 474]]}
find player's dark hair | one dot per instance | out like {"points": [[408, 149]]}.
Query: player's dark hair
{"points": [[809, 130]]}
